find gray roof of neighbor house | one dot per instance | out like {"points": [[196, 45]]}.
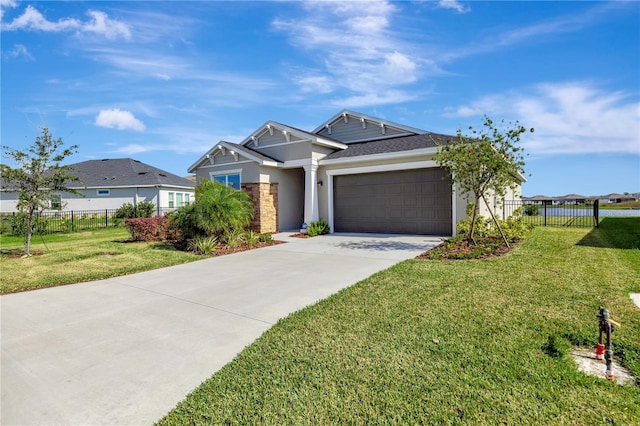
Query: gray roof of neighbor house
{"points": [[123, 172], [384, 146]]}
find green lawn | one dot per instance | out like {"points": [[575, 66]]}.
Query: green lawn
{"points": [[77, 257], [448, 342]]}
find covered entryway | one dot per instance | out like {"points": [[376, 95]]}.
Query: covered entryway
{"points": [[415, 201]]}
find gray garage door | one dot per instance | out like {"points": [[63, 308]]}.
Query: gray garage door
{"points": [[403, 202]]}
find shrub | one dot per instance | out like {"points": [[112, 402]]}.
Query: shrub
{"points": [[317, 228], [514, 228], [217, 211], [234, 238], [265, 238], [531, 210], [251, 238], [203, 245], [129, 211], [148, 228], [19, 224]]}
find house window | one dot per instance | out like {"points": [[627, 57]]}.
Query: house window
{"points": [[103, 192], [187, 201], [171, 203], [179, 199], [56, 202], [232, 180]]}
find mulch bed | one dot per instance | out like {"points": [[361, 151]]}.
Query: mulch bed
{"points": [[222, 249], [462, 250], [299, 235]]}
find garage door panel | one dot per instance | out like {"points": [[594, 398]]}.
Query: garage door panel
{"points": [[407, 202]]}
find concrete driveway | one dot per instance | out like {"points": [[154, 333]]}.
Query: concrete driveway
{"points": [[126, 350]]}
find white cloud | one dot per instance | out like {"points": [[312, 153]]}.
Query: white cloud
{"points": [[373, 99], [31, 19], [358, 49], [102, 24], [5, 4], [569, 118], [20, 50], [99, 23], [453, 4], [118, 119], [133, 149]]}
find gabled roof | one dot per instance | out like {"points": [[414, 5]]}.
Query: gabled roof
{"points": [[121, 172], [384, 146], [246, 152], [348, 113], [272, 126]]}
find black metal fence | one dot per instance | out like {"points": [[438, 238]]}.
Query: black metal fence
{"points": [[49, 222], [552, 213]]}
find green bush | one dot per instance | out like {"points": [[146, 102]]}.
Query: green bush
{"points": [[319, 227], [234, 238], [251, 238], [129, 211], [217, 211], [265, 238], [203, 245], [19, 224], [514, 228], [531, 210]]}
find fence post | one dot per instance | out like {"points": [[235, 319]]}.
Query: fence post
{"points": [[596, 212], [72, 219], [106, 218], [544, 203]]}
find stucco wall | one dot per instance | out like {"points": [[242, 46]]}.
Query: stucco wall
{"points": [[115, 199]]}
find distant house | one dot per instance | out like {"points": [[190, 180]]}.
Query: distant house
{"points": [[110, 183], [616, 198], [359, 173]]}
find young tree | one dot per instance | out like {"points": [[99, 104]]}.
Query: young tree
{"points": [[37, 176], [485, 161]]}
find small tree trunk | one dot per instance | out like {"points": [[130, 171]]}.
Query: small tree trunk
{"points": [[504, 238], [472, 226], [29, 231]]}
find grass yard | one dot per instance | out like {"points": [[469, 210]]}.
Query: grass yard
{"points": [[448, 342], [84, 256]]}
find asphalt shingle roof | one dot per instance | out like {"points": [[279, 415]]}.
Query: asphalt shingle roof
{"points": [[123, 172], [384, 146]]}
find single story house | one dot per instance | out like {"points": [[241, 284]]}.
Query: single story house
{"points": [[109, 183], [357, 172]]}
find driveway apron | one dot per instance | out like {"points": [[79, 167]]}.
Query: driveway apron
{"points": [[126, 350]]}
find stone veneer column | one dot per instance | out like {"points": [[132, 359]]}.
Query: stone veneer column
{"points": [[265, 206]]}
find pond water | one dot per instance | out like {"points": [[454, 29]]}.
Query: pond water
{"points": [[558, 211]]}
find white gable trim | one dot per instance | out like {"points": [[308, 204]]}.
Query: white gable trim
{"points": [[346, 115], [230, 147], [272, 126]]}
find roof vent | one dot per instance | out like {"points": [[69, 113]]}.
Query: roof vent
{"points": [[162, 174], [142, 173]]}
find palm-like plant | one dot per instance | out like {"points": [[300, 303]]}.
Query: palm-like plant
{"points": [[217, 211]]}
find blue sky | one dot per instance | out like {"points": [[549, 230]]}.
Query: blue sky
{"points": [[162, 82]]}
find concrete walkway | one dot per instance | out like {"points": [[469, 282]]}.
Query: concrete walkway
{"points": [[126, 350]]}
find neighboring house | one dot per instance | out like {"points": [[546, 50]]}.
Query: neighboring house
{"points": [[110, 183], [359, 173], [616, 198], [540, 200], [574, 199]]}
